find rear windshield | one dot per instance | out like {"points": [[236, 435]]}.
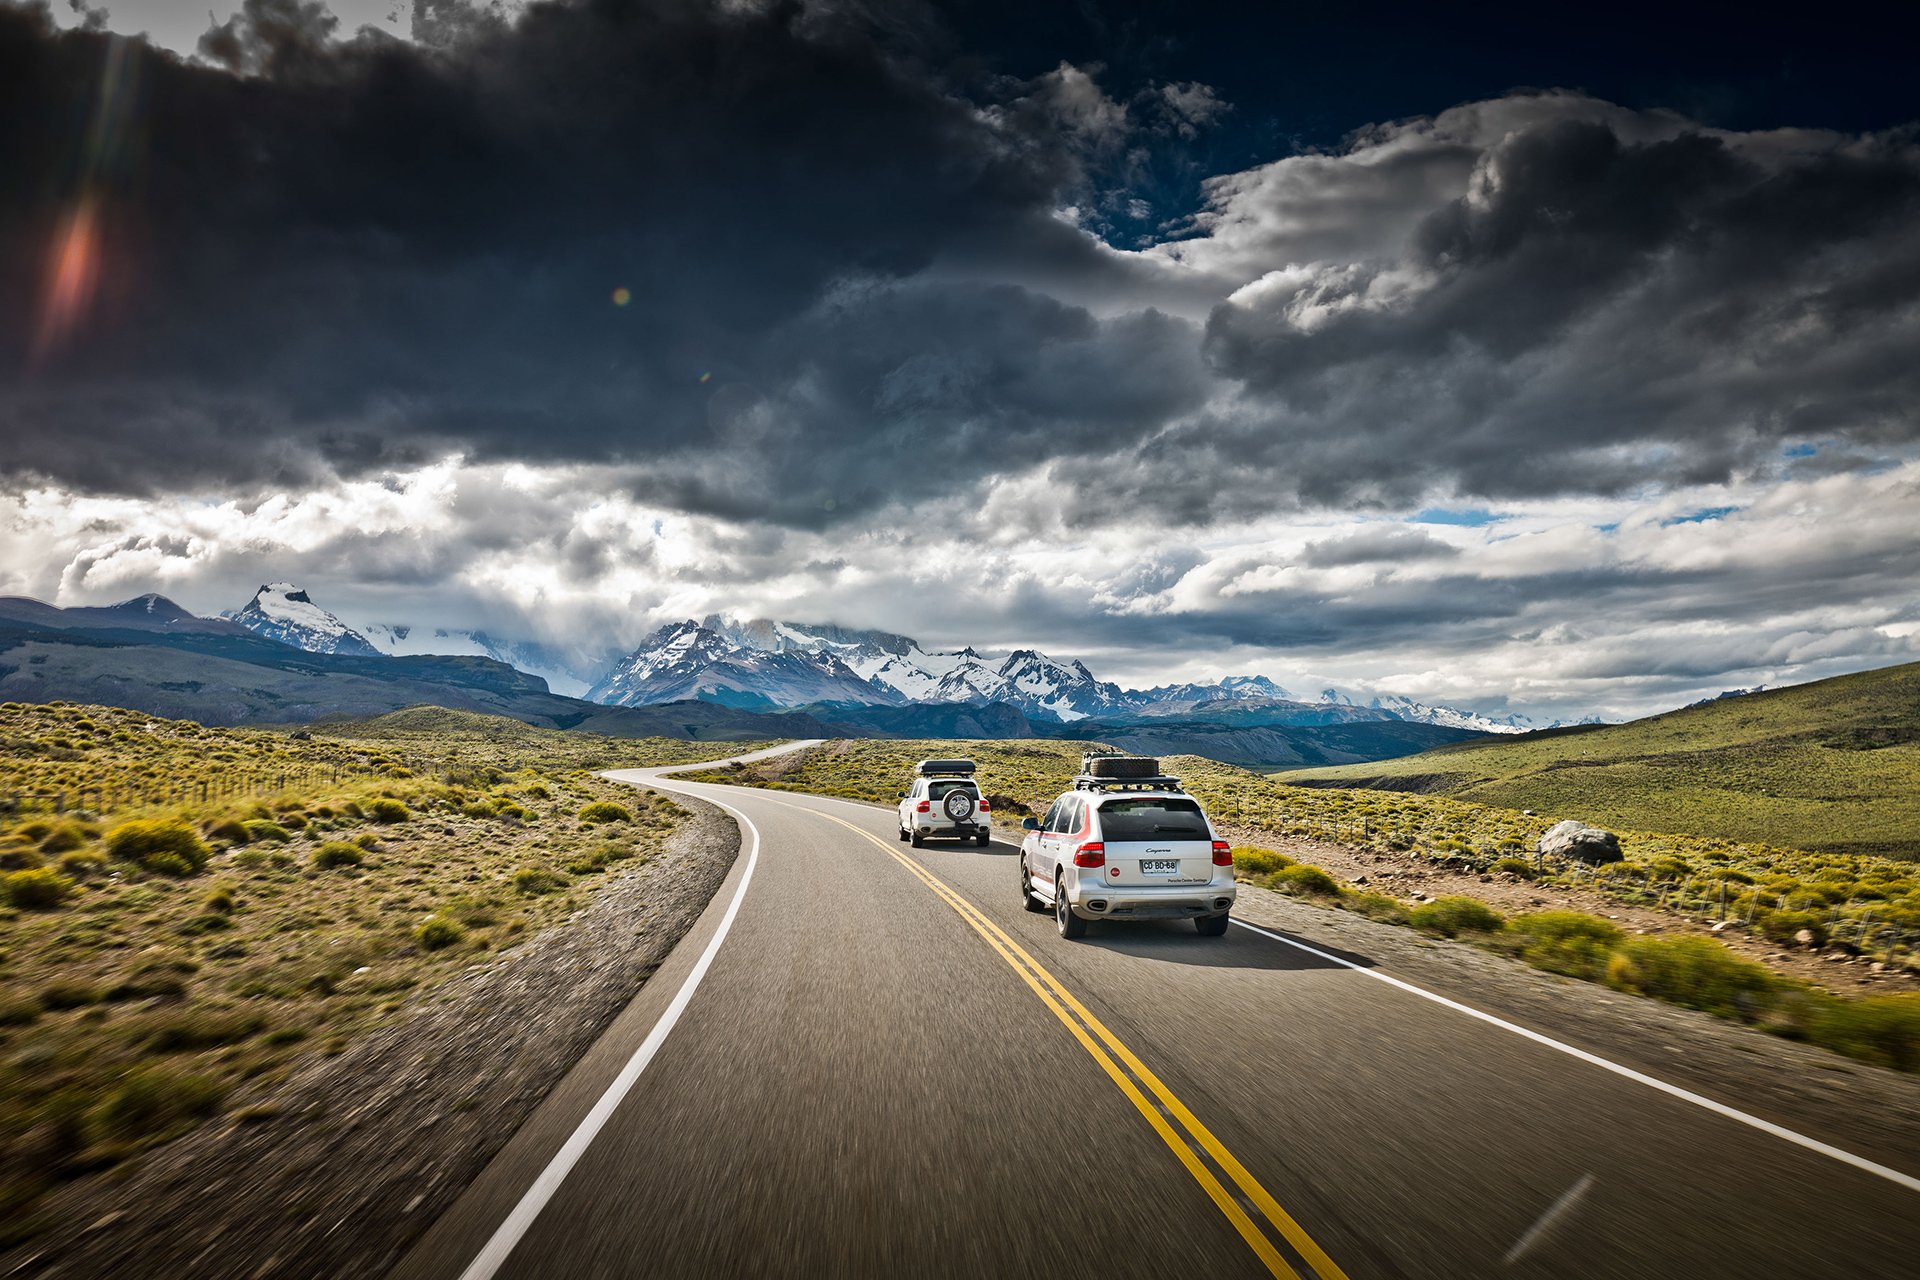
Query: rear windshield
{"points": [[1152, 818], [938, 790]]}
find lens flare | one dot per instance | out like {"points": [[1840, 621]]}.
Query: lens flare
{"points": [[705, 377], [75, 267], [622, 296], [73, 276]]}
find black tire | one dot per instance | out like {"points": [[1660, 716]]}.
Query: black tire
{"points": [[984, 839], [958, 805], [903, 835], [915, 839], [1211, 926], [1070, 925], [1027, 899], [1124, 767]]}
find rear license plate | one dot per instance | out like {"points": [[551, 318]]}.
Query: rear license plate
{"points": [[1159, 866]]}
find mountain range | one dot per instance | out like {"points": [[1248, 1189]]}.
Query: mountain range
{"points": [[764, 664], [284, 659]]}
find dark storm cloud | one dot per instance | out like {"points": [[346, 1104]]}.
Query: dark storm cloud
{"points": [[1595, 313], [421, 246]]}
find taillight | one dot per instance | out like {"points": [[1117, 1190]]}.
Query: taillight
{"points": [[925, 806], [1093, 854], [1222, 854], [984, 806]]}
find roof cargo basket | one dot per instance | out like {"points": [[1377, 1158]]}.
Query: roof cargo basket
{"points": [[1111, 771], [944, 768]]}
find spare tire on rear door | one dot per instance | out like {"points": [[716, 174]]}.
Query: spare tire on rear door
{"points": [[958, 804], [1122, 767]]}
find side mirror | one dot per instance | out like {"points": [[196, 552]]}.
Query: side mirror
{"points": [[1029, 824], [902, 795]]}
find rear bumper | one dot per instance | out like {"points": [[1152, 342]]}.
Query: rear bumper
{"points": [[1171, 902], [945, 828]]}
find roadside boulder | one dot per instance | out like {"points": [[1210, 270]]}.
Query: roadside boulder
{"points": [[1581, 842]]}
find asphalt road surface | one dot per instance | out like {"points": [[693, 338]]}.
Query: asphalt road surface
{"points": [[868, 1060]]}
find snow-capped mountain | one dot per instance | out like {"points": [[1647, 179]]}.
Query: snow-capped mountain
{"points": [[1451, 717], [692, 660], [281, 611], [761, 663], [1046, 686]]}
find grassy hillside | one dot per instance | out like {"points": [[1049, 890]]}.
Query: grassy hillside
{"points": [[184, 908], [1833, 765]]}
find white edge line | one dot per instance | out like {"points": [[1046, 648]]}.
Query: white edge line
{"points": [[1908, 1181], [1685, 1095], [507, 1235]]}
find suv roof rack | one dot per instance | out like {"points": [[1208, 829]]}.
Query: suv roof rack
{"points": [[1087, 782], [944, 769]]}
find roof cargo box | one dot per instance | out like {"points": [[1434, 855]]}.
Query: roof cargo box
{"points": [[944, 768]]}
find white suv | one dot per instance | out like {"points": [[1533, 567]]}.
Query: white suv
{"points": [[1126, 844], [945, 801]]}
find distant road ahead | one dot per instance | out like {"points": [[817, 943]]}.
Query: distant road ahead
{"points": [[867, 1060]]}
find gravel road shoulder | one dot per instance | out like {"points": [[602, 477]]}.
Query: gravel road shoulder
{"points": [[338, 1169]]}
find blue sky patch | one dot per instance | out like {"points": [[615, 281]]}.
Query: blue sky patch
{"points": [[1468, 517], [1699, 517]]}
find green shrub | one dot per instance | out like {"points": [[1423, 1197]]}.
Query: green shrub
{"points": [[606, 811], [1452, 916], [1255, 861], [1878, 1029], [145, 839], [1696, 972], [1515, 867], [1304, 879], [1375, 906], [1781, 926], [148, 985], [437, 933], [64, 838], [202, 1029], [18, 855], [388, 810], [82, 864], [153, 1102], [537, 880], [259, 829], [167, 864], [39, 890], [233, 831], [1567, 942], [68, 993], [17, 1012], [338, 853], [221, 900]]}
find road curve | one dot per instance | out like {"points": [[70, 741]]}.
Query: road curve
{"points": [[867, 1060]]}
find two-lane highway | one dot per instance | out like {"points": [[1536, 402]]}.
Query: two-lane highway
{"points": [[866, 1059]]}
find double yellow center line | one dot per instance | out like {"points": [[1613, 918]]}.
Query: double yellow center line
{"points": [[1132, 1077]]}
